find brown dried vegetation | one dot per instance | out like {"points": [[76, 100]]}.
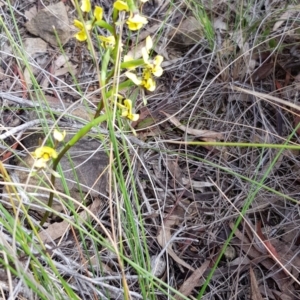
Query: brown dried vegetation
{"points": [[190, 195]]}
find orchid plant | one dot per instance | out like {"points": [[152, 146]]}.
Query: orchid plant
{"points": [[139, 72]]}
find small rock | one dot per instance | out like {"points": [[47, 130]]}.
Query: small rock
{"points": [[158, 265], [189, 32], [35, 45], [43, 24]]}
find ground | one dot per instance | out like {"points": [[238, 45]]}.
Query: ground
{"points": [[197, 198]]}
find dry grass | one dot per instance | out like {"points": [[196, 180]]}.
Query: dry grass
{"points": [[188, 197]]}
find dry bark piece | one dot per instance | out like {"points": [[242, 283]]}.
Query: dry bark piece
{"points": [[53, 18]]}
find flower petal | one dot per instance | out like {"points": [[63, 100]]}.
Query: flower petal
{"points": [[81, 36], [136, 22], [157, 71], [133, 117], [127, 58], [158, 59], [148, 82], [124, 113], [133, 78], [149, 43], [59, 136], [78, 24], [121, 5], [150, 85], [107, 41], [145, 55], [98, 13], [86, 6], [44, 153], [130, 115], [128, 104], [40, 164]]}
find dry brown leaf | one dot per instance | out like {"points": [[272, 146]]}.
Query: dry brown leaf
{"points": [[267, 97], [247, 246], [255, 293], [281, 296], [174, 169], [60, 61], [67, 69], [266, 242], [263, 71], [164, 236], [197, 185], [237, 36], [206, 135], [193, 280], [57, 230], [27, 77], [285, 16]]}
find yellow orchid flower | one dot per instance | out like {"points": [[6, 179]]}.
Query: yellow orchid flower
{"points": [[127, 110], [98, 13], [136, 22], [81, 35], [45, 153], [107, 42], [86, 6], [130, 116], [121, 5], [156, 69], [147, 81], [153, 65], [59, 136], [83, 27]]}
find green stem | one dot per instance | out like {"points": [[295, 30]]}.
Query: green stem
{"points": [[80, 134], [132, 6], [105, 25], [127, 65], [126, 84], [103, 76]]}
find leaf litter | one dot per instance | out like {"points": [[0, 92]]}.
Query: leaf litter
{"points": [[224, 94]]}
